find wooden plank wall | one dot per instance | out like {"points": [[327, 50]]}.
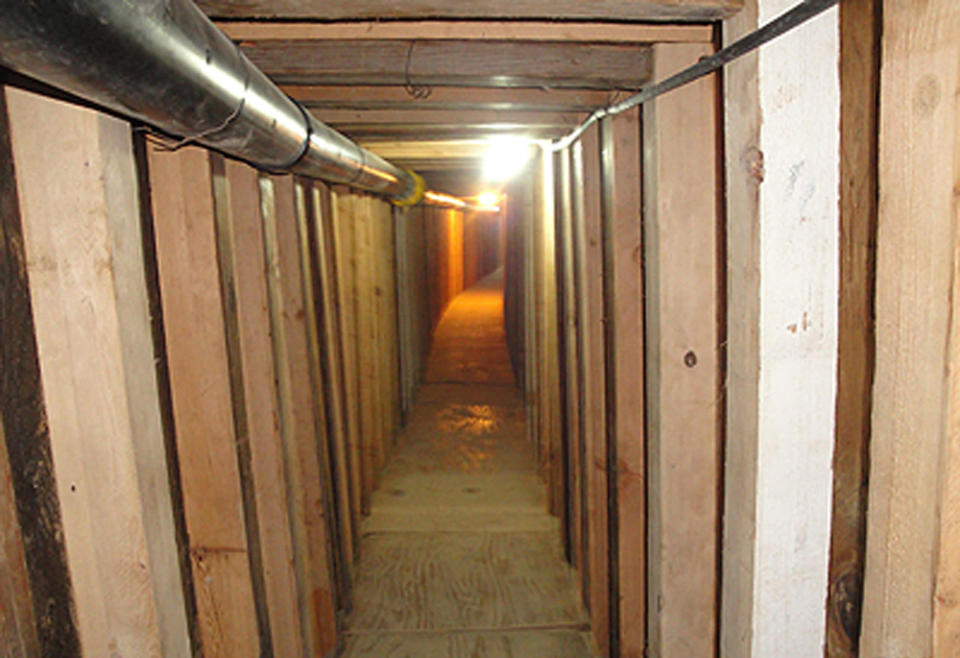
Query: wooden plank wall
{"points": [[619, 306], [598, 278], [912, 571], [270, 291], [625, 395], [243, 262], [517, 212], [46, 602], [413, 316], [82, 257], [685, 402], [588, 258]]}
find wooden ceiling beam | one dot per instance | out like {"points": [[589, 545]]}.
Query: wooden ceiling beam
{"points": [[432, 117], [595, 10], [469, 31], [422, 166], [408, 149], [444, 132], [443, 63], [345, 97]]}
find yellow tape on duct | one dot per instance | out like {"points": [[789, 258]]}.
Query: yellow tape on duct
{"points": [[416, 195]]}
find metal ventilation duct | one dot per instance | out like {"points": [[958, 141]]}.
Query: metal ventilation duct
{"points": [[163, 62]]}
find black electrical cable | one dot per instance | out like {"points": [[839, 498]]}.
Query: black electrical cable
{"points": [[778, 26]]}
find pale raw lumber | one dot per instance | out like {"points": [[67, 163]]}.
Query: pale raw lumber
{"points": [[80, 215], [912, 572], [311, 523], [241, 222], [683, 379], [623, 309], [468, 30], [183, 211], [589, 255]]}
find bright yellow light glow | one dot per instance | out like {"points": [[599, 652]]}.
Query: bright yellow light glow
{"points": [[488, 199], [444, 199], [505, 158]]}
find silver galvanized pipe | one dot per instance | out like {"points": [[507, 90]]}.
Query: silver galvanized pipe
{"points": [[163, 62]]}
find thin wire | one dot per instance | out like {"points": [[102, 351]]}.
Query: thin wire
{"points": [[707, 65], [419, 92], [164, 144]]}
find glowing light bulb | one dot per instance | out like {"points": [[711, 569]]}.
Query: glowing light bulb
{"points": [[488, 199], [505, 158]]}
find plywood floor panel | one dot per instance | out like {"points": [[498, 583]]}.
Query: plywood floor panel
{"points": [[459, 556], [555, 644]]}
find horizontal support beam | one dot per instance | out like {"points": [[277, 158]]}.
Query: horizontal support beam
{"points": [[427, 117], [378, 132], [444, 63], [450, 149], [422, 166], [345, 97], [614, 10], [469, 31]]}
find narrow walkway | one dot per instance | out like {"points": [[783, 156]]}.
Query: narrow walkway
{"points": [[459, 557]]}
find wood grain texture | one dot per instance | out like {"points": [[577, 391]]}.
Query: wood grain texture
{"points": [[343, 237], [589, 256], [231, 323], [332, 366], [26, 432], [441, 63], [911, 574], [680, 215], [553, 456], [367, 361], [361, 97], [344, 118], [623, 308], [495, 644], [337, 527], [744, 167], [311, 523], [467, 30], [860, 81], [18, 629], [243, 224], [183, 209], [82, 244], [629, 10], [466, 580]]}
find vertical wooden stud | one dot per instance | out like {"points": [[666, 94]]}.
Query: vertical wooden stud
{"points": [[84, 259], [41, 595], [183, 210], [337, 528], [329, 326], [589, 256], [243, 263], [297, 413], [859, 89], [682, 366], [623, 309], [782, 204], [912, 572], [569, 361]]}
